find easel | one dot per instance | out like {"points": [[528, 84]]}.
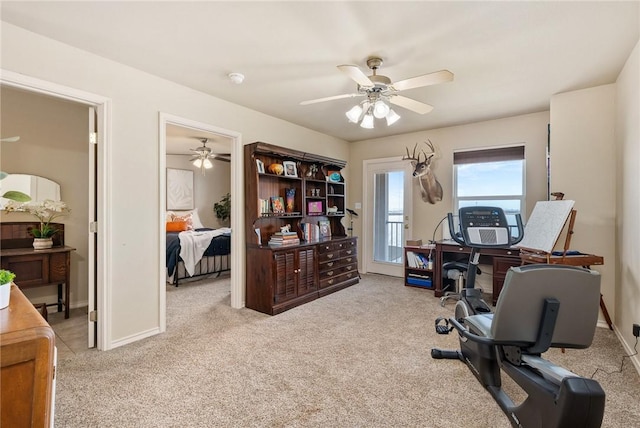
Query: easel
{"points": [[529, 256]]}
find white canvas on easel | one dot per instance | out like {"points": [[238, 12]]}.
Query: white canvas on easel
{"points": [[545, 225]]}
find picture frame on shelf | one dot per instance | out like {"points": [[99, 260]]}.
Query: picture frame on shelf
{"points": [[277, 204], [290, 169], [325, 228], [260, 166], [315, 208]]}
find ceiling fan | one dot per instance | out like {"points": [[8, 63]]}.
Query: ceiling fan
{"points": [[202, 155], [378, 88], [10, 139]]}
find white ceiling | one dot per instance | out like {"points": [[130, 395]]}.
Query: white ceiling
{"points": [[508, 58]]}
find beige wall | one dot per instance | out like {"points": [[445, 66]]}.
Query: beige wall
{"points": [[133, 179], [208, 189], [53, 144], [529, 129], [582, 167], [627, 287]]}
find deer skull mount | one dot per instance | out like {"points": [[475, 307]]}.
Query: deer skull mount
{"points": [[430, 188]]}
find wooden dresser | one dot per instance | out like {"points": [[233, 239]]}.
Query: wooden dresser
{"points": [[27, 364], [37, 268]]}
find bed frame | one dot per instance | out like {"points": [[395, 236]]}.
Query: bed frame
{"points": [[208, 265]]}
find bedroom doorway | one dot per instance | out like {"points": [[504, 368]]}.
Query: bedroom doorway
{"points": [[178, 138], [95, 197]]}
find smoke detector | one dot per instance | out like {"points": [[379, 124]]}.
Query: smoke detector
{"points": [[236, 78]]}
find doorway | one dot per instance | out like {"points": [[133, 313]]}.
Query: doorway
{"points": [[233, 140], [387, 214], [94, 173]]}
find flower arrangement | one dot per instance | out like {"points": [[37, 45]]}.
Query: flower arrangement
{"points": [[45, 211]]}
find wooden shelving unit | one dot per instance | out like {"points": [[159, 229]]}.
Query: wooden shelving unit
{"points": [[417, 272]]}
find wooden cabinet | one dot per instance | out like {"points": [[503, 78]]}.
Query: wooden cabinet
{"points": [[39, 268], [417, 271], [500, 267], [27, 365], [281, 277], [337, 265]]}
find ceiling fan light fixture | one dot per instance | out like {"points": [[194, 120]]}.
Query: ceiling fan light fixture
{"points": [[392, 117], [354, 114], [197, 163], [367, 121], [380, 109], [207, 164]]}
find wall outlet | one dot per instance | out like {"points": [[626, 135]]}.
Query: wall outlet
{"points": [[636, 330]]}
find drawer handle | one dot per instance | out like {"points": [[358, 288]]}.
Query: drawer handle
{"points": [[330, 273], [330, 264], [349, 251], [330, 282], [349, 267], [330, 256], [509, 252], [349, 259], [349, 275]]}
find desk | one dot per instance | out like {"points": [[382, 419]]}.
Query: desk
{"points": [[40, 268], [500, 258]]}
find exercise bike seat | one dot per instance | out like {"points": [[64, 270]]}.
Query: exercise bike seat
{"points": [[520, 304]]}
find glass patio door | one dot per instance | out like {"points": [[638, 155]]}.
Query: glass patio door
{"points": [[388, 215]]}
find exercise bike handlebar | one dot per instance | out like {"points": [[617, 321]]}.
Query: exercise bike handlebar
{"points": [[464, 332], [459, 238]]}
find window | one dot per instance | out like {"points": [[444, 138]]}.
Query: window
{"points": [[490, 177]]}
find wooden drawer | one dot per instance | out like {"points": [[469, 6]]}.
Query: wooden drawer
{"points": [[500, 267], [30, 270], [329, 255], [338, 270], [339, 279]]}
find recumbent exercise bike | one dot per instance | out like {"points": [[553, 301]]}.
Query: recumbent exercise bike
{"points": [[539, 307]]}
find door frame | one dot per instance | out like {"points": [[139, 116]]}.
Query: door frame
{"points": [[237, 208], [100, 259], [367, 207]]}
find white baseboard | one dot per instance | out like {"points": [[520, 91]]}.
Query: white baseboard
{"points": [[134, 338], [628, 349]]}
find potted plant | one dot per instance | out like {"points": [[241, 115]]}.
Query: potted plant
{"points": [[45, 211], [6, 277], [223, 208]]}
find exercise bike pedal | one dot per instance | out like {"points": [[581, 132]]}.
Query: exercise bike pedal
{"points": [[443, 328]]}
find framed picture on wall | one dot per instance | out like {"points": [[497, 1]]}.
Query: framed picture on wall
{"points": [[179, 189]]}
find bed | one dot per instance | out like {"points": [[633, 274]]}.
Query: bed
{"points": [[193, 250]]}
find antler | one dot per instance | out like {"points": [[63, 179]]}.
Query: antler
{"points": [[413, 156], [432, 147]]}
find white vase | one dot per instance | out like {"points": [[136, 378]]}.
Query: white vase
{"points": [[42, 243], [5, 294]]}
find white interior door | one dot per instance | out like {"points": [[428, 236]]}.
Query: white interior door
{"points": [[91, 249], [387, 211]]}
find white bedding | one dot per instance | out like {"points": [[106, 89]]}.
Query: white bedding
{"points": [[193, 245]]}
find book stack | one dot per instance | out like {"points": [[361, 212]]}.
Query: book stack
{"points": [[282, 239], [310, 232], [417, 260]]}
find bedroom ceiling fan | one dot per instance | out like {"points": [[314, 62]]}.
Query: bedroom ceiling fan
{"points": [[380, 91], [10, 139], [202, 156]]}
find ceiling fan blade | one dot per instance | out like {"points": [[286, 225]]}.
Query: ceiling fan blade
{"points": [[221, 158], [10, 139], [424, 80], [356, 74], [335, 97], [410, 104]]}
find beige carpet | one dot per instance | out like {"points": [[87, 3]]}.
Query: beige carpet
{"points": [[356, 358]]}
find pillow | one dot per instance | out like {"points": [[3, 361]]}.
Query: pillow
{"points": [[186, 218], [191, 217], [176, 226], [169, 216]]}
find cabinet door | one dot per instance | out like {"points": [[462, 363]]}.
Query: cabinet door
{"points": [[306, 272], [285, 270]]}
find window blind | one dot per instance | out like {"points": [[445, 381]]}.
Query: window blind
{"points": [[489, 155]]}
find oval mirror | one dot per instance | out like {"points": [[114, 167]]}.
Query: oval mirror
{"points": [[38, 188]]}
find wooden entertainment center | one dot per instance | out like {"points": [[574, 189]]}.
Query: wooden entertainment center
{"points": [[280, 277]]}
